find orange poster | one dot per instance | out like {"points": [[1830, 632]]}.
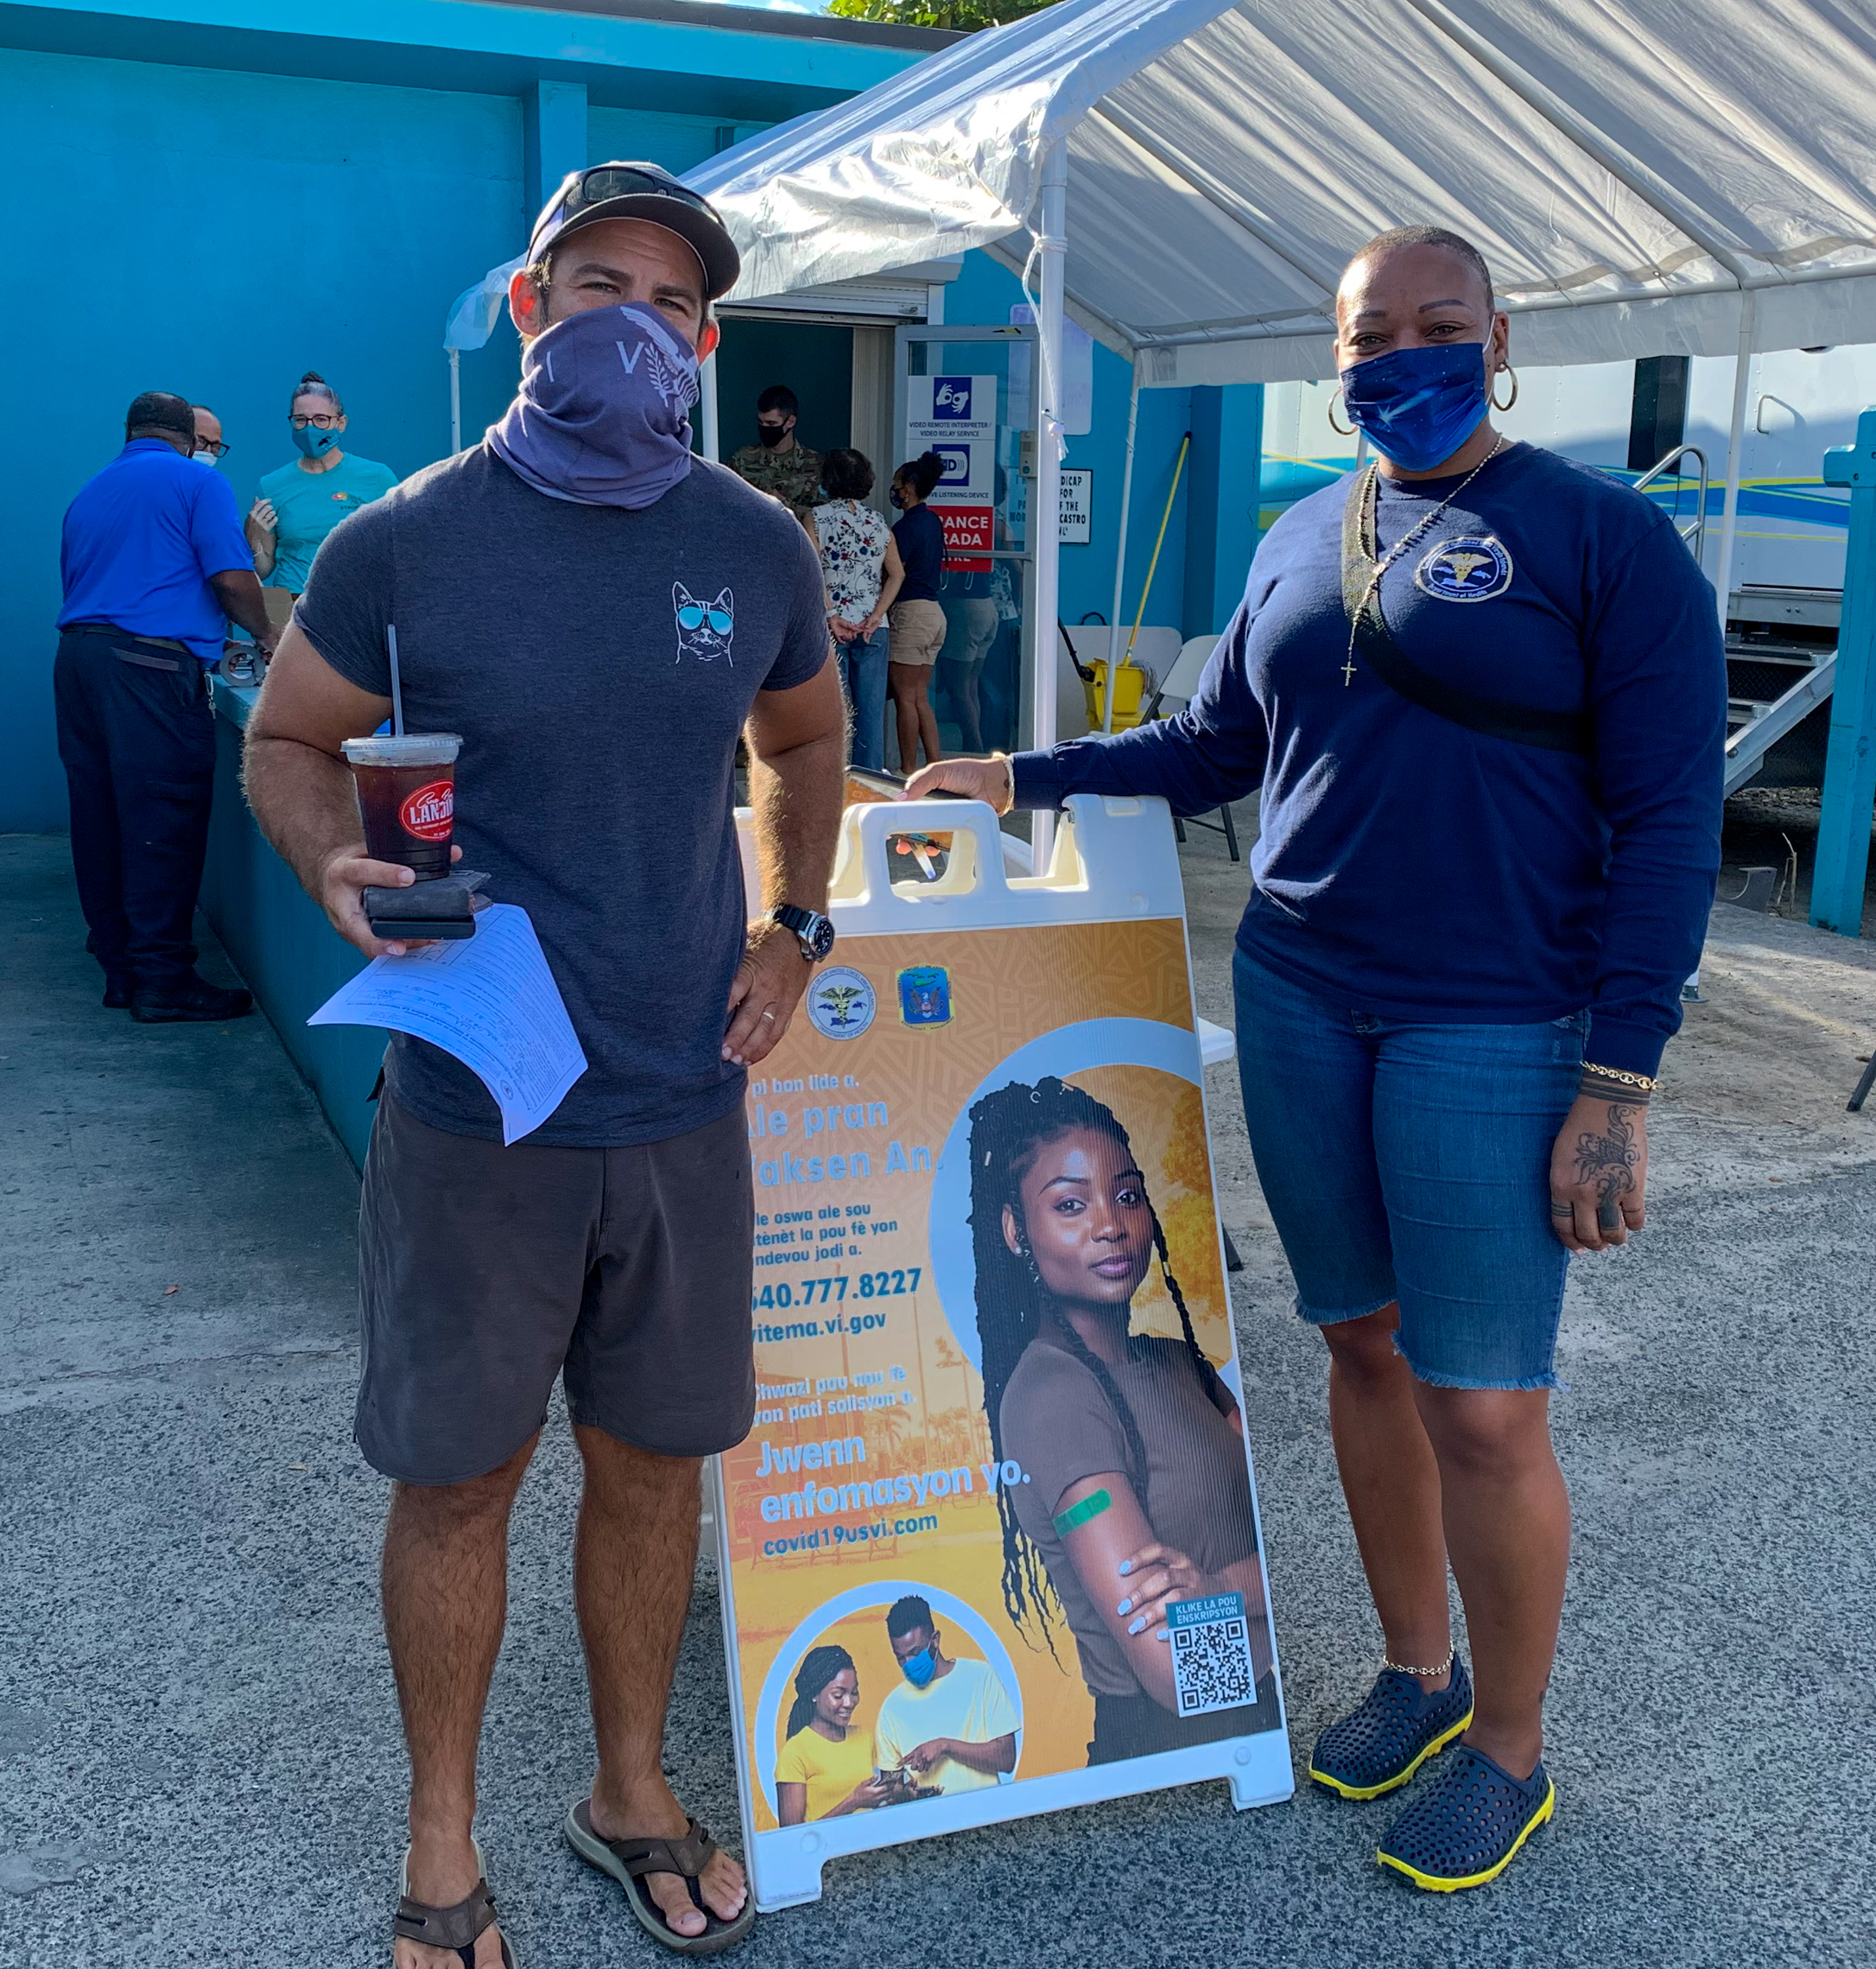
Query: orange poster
{"points": [[991, 1547]]}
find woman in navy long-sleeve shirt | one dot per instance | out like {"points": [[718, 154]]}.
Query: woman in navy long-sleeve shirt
{"points": [[1490, 829]]}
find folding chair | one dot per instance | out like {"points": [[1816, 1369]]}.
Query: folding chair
{"points": [[1181, 680]]}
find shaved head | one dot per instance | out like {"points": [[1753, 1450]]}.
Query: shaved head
{"points": [[1400, 237]]}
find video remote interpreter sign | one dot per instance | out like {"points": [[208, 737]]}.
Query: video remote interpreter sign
{"points": [[992, 1546]]}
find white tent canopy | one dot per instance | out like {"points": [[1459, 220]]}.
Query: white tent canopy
{"points": [[1630, 168]]}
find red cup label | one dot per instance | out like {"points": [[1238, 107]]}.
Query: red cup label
{"points": [[430, 812]]}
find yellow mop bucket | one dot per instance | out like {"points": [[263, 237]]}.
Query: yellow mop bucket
{"points": [[1129, 679], [1129, 690]]}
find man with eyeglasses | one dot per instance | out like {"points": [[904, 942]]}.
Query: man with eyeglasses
{"points": [[210, 450], [599, 614], [155, 568]]}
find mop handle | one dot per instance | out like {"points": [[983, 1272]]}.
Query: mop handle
{"points": [[1166, 520]]}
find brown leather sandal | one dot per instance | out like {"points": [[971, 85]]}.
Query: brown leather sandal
{"points": [[629, 1860], [459, 1927]]}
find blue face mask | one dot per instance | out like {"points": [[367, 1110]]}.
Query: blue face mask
{"points": [[919, 1668], [1418, 405], [314, 443]]}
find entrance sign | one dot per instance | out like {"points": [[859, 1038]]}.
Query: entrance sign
{"points": [[1077, 506], [968, 536], [994, 1360]]}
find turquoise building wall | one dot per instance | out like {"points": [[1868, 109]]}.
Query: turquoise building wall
{"points": [[211, 196]]}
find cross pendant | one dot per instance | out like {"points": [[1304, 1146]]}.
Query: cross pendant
{"points": [[1348, 673]]}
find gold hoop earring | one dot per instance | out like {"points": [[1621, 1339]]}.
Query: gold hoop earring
{"points": [[1340, 430], [1491, 390]]}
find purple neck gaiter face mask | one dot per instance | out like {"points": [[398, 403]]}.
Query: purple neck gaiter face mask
{"points": [[602, 418]]}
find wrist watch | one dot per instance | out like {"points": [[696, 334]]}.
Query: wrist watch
{"points": [[812, 930]]}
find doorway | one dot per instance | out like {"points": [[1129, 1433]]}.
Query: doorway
{"points": [[814, 359]]}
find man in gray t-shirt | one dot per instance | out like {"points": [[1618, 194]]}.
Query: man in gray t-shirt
{"points": [[599, 615]]}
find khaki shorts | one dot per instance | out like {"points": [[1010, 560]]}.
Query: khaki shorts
{"points": [[486, 1272], [917, 633]]}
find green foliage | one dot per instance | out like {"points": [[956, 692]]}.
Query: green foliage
{"points": [[963, 16]]}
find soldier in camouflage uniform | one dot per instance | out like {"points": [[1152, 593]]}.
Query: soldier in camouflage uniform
{"points": [[778, 466]]}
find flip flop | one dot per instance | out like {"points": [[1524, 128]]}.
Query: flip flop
{"points": [[458, 1927], [628, 1860]]}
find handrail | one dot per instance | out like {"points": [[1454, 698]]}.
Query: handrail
{"points": [[1746, 748], [1694, 533]]}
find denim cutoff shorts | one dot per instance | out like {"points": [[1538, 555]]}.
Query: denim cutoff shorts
{"points": [[1404, 1160]]}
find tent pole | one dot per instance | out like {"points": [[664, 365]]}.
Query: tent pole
{"points": [[1736, 454], [1052, 247], [712, 432], [1120, 551], [456, 400]]}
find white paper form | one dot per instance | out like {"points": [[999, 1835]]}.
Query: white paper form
{"points": [[491, 1000]]}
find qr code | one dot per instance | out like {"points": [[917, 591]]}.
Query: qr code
{"points": [[1211, 1654]]}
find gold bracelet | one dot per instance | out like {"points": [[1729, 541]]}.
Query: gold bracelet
{"points": [[1641, 1082]]}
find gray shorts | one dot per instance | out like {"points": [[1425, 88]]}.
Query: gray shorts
{"points": [[485, 1271]]}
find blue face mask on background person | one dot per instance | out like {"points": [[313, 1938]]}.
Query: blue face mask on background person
{"points": [[1418, 405], [314, 443], [602, 418], [919, 1668]]}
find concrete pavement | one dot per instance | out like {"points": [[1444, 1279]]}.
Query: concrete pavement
{"points": [[199, 1752]]}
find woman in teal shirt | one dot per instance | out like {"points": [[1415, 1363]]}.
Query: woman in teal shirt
{"points": [[301, 503]]}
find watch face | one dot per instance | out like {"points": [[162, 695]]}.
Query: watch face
{"points": [[819, 940]]}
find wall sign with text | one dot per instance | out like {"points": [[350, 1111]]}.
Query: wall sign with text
{"points": [[1077, 507]]}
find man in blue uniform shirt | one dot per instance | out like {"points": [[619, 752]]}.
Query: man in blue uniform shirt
{"points": [[154, 559]]}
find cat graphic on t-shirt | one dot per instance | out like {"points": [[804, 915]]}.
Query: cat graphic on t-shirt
{"points": [[705, 628]]}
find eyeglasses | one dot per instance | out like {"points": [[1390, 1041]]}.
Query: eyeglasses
{"points": [[606, 181], [325, 421], [213, 445], [692, 615]]}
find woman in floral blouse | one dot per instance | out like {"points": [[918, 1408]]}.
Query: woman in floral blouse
{"points": [[860, 565]]}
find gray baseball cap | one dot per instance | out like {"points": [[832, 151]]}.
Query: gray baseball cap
{"points": [[640, 191]]}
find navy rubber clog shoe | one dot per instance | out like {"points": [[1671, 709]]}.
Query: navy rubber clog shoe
{"points": [[1378, 1746], [1469, 1826]]}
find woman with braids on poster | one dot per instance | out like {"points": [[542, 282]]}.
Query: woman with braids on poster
{"points": [[1135, 1494], [825, 1769]]}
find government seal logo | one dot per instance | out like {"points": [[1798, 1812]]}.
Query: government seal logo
{"points": [[840, 1004], [924, 995], [1474, 568]]}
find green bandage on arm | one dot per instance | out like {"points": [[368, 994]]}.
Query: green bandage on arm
{"points": [[1090, 1507]]}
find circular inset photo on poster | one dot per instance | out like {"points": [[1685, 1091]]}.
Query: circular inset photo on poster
{"points": [[890, 1694]]}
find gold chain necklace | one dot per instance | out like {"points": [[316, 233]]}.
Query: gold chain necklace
{"points": [[1400, 548]]}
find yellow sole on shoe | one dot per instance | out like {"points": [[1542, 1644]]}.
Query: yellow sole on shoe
{"points": [[1360, 1792], [1435, 1883]]}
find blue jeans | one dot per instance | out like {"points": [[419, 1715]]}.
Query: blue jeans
{"points": [[863, 671], [1410, 1162]]}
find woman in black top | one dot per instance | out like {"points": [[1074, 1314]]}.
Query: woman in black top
{"points": [[918, 622]]}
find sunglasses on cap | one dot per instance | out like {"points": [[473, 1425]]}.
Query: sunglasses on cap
{"points": [[601, 183]]}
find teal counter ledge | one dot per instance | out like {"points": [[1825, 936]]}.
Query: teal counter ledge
{"points": [[291, 958]]}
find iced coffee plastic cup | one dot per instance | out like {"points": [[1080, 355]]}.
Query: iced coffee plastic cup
{"points": [[407, 797]]}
